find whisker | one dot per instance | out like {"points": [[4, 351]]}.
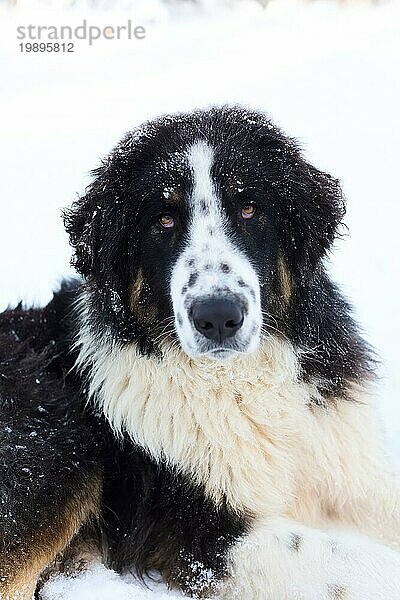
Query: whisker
{"points": [[267, 327], [164, 332]]}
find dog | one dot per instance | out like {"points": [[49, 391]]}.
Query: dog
{"points": [[199, 403]]}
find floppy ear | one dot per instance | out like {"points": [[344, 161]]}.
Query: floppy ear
{"points": [[96, 222], [97, 225], [88, 223], [81, 225], [313, 210], [309, 203]]}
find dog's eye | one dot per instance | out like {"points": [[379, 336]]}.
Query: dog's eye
{"points": [[166, 221], [248, 211]]}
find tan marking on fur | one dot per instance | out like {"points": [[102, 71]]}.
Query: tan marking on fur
{"points": [[135, 290], [174, 197], [84, 549], [145, 309], [21, 569], [285, 278], [22, 590]]}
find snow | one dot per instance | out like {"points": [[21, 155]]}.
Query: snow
{"points": [[100, 583], [327, 74]]}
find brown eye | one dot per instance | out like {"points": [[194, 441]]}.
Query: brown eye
{"points": [[248, 211], [166, 221]]}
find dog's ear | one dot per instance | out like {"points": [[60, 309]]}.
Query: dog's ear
{"points": [[309, 203], [86, 223], [96, 222], [80, 223], [312, 212], [99, 230]]}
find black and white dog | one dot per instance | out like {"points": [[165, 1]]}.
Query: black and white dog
{"points": [[199, 405]]}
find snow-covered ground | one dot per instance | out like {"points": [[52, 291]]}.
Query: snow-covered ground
{"points": [[100, 583], [328, 75]]}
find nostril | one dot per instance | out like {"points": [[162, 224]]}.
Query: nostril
{"points": [[206, 325], [231, 324]]}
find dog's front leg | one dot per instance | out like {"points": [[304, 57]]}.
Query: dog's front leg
{"points": [[26, 552], [284, 560], [50, 485]]}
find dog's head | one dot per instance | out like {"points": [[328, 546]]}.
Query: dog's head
{"points": [[202, 228]]}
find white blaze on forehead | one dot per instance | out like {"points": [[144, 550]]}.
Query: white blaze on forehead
{"points": [[201, 158], [208, 235], [206, 206], [208, 239]]}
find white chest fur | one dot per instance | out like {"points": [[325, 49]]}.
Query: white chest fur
{"points": [[237, 428]]}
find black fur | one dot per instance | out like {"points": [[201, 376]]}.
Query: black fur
{"points": [[155, 518], [51, 446], [49, 450], [151, 516]]}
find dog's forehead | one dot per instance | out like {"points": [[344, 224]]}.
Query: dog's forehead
{"points": [[231, 133], [173, 152], [198, 167]]}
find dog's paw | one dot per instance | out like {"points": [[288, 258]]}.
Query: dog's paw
{"points": [[284, 561]]}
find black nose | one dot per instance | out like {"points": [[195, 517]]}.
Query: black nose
{"points": [[217, 319]]}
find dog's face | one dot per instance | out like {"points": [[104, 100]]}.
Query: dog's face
{"points": [[201, 229]]}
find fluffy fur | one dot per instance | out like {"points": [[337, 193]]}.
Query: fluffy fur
{"points": [[234, 464]]}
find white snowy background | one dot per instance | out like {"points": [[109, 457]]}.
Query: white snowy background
{"points": [[328, 74]]}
